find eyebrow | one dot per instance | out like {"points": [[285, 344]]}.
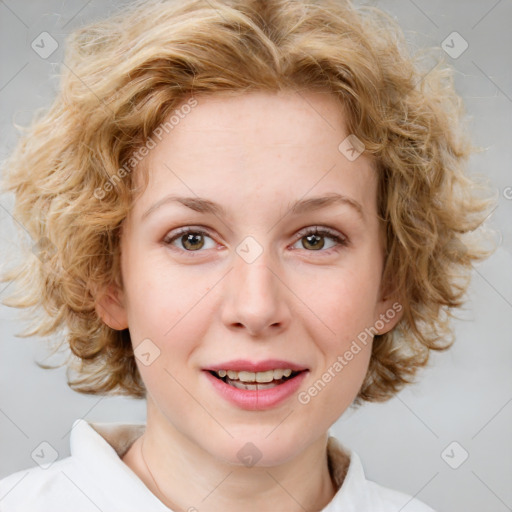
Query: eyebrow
{"points": [[201, 205]]}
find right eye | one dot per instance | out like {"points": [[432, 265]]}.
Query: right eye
{"points": [[191, 239]]}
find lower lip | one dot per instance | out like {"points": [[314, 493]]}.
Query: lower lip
{"points": [[256, 400]]}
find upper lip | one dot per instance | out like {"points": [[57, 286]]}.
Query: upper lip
{"points": [[240, 365]]}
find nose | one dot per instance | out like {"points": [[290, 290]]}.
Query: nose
{"points": [[255, 298]]}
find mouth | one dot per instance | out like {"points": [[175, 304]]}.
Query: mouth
{"points": [[256, 386], [254, 381]]}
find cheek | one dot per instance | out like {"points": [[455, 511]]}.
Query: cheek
{"points": [[346, 305], [336, 385], [344, 301], [166, 308], [159, 293]]}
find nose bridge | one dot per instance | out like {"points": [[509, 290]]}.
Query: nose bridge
{"points": [[255, 278], [253, 262], [254, 281]]}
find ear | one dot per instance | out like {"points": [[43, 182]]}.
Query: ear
{"points": [[388, 312], [110, 307]]}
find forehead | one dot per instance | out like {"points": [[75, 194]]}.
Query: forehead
{"points": [[258, 142], [263, 119]]}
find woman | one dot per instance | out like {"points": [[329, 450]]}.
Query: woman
{"points": [[250, 214]]}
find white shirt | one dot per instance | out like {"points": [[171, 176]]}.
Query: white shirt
{"points": [[94, 478]]}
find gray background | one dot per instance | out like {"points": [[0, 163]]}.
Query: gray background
{"points": [[464, 395]]}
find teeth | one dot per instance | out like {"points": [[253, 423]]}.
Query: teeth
{"points": [[252, 387], [246, 376], [267, 376], [261, 377]]}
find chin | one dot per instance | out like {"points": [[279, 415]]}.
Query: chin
{"points": [[251, 449]]}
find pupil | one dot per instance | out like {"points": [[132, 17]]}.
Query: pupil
{"points": [[314, 237], [189, 239]]}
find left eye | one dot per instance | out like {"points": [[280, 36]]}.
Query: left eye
{"points": [[192, 239], [313, 238]]}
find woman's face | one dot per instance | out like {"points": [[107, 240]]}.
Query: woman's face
{"points": [[251, 283]]}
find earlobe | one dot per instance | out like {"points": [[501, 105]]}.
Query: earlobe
{"points": [[110, 308]]}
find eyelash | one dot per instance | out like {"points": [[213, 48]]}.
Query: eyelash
{"points": [[340, 240]]}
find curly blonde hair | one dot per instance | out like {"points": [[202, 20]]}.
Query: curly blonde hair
{"points": [[124, 76]]}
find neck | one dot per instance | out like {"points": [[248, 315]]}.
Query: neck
{"points": [[183, 476]]}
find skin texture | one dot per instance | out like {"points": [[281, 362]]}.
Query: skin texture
{"points": [[301, 301]]}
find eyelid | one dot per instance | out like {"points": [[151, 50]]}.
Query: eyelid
{"points": [[176, 233], [324, 230]]}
